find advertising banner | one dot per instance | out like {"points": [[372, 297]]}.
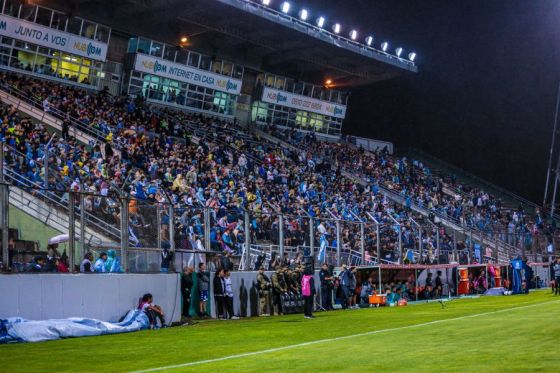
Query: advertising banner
{"points": [[51, 38], [187, 74], [275, 96]]}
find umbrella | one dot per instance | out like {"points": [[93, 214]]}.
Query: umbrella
{"points": [[61, 238]]}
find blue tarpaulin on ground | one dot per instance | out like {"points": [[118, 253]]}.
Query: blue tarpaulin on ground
{"points": [[16, 329]]}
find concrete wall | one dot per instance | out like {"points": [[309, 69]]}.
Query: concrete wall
{"points": [[101, 296]]}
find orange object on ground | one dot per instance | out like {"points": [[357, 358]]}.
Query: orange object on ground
{"points": [[463, 281], [378, 299], [402, 302], [497, 277]]}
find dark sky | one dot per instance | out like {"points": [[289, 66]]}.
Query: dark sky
{"points": [[485, 94]]}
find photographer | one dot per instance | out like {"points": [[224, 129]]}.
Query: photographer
{"points": [[326, 277], [264, 285]]}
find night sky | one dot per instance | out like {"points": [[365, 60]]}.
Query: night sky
{"points": [[484, 97]]}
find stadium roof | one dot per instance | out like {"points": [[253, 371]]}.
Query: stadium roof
{"points": [[220, 28]]}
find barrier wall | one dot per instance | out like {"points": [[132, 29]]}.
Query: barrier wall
{"points": [[105, 297], [246, 292]]}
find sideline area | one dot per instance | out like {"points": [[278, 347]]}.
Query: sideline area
{"points": [[362, 339]]}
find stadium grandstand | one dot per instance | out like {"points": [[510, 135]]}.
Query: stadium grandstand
{"points": [[191, 153]]}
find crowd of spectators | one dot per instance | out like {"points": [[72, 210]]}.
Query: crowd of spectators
{"points": [[159, 157]]}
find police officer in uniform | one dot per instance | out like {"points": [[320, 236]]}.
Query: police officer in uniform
{"points": [[264, 286], [278, 290]]}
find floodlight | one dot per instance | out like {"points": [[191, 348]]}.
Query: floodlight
{"points": [[285, 7], [398, 51], [320, 22], [336, 28], [411, 56], [369, 40], [266, 2], [384, 46], [353, 34], [303, 14]]}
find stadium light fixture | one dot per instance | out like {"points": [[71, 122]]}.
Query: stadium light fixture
{"points": [[411, 56], [336, 28], [353, 34], [398, 51], [266, 2], [328, 82], [320, 22], [384, 46], [369, 41], [303, 14], [285, 7], [184, 39]]}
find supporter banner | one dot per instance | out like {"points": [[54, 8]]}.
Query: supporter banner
{"points": [[183, 73], [275, 96], [51, 38]]}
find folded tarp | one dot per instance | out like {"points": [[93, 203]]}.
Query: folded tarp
{"points": [[16, 329]]}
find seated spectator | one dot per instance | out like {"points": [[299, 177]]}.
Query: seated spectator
{"points": [[154, 312], [99, 266], [86, 266]]}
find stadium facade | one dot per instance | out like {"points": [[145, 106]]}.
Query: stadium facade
{"points": [[274, 77]]}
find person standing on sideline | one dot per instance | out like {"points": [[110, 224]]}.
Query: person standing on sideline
{"points": [[308, 293], [228, 296], [219, 293], [186, 289], [203, 286], [326, 287], [264, 285], [557, 277]]}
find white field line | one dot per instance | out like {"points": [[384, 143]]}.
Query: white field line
{"points": [[326, 340]]}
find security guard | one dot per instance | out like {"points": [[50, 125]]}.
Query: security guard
{"points": [[264, 286], [278, 289]]}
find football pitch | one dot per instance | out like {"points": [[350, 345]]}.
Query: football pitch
{"points": [[487, 334]]}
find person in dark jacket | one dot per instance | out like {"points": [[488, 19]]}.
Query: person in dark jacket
{"points": [[219, 293], [186, 291]]}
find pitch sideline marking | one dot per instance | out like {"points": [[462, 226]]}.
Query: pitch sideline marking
{"points": [[325, 340]]}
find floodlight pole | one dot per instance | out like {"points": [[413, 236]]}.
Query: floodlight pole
{"points": [[553, 143]]}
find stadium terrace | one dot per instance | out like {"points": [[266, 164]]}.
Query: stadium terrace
{"points": [[153, 180]]}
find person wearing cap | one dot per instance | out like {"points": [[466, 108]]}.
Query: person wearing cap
{"points": [[264, 285]]}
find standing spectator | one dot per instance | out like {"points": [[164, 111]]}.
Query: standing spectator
{"points": [[228, 296], [438, 290], [186, 289], [429, 286], [86, 266], [264, 285], [308, 293], [166, 259], [66, 128], [203, 286], [219, 293], [99, 265], [345, 282], [352, 285], [326, 278], [557, 277]]}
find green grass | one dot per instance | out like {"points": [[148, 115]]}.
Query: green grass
{"points": [[513, 340]]}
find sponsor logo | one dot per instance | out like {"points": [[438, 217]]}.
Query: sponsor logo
{"points": [[155, 66], [88, 48], [228, 85], [277, 97]]}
